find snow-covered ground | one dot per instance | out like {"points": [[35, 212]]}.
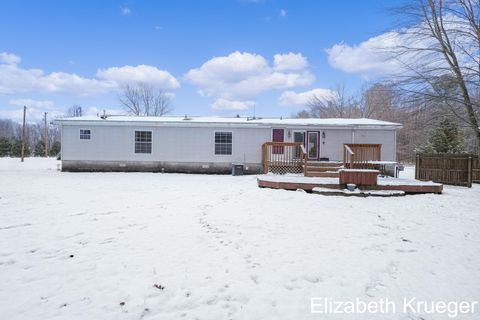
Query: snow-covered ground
{"points": [[173, 246]]}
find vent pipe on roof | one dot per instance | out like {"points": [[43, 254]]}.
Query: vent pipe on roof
{"points": [[104, 115]]}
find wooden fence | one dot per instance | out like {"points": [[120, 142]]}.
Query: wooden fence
{"points": [[459, 170], [283, 157]]}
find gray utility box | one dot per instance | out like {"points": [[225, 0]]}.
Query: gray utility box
{"points": [[237, 169]]}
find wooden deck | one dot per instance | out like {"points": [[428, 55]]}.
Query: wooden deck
{"points": [[280, 158], [308, 183], [291, 157], [285, 184]]}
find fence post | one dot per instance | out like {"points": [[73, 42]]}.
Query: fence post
{"points": [[417, 164], [469, 177], [264, 158]]}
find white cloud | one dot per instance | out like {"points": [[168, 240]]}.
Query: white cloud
{"points": [[282, 13], [290, 61], [242, 76], [93, 111], [224, 104], [14, 79], [35, 110], [141, 73], [9, 58], [289, 98], [45, 104], [125, 11], [367, 58], [390, 53], [34, 115]]}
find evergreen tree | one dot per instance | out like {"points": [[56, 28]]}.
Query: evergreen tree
{"points": [[5, 147], [17, 148], [55, 149], [445, 138], [40, 149]]}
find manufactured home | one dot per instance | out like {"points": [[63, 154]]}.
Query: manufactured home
{"points": [[212, 144]]}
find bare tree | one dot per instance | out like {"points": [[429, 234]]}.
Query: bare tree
{"points": [[145, 100], [339, 106], [75, 111], [379, 101], [8, 128], [443, 39]]}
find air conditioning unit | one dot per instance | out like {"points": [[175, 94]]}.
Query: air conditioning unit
{"points": [[237, 169]]}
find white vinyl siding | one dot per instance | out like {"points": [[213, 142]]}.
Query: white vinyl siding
{"points": [[197, 144]]}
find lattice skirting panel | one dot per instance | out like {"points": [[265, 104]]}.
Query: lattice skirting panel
{"points": [[285, 169]]}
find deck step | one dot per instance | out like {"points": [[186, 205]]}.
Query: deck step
{"points": [[329, 174], [322, 169], [324, 164], [326, 169]]}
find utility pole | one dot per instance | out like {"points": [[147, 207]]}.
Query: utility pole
{"points": [[23, 131], [46, 135]]}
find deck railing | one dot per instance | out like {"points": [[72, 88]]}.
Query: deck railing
{"points": [[360, 155], [283, 157]]}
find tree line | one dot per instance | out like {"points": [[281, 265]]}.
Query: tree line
{"points": [[11, 139], [422, 117], [437, 90]]}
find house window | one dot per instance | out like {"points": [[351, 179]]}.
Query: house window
{"points": [[143, 141], [85, 134], [223, 143]]}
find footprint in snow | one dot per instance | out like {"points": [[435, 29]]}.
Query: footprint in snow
{"points": [[382, 226], [312, 278], [16, 226], [406, 251], [373, 288], [212, 301], [7, 262], [375, 247]]}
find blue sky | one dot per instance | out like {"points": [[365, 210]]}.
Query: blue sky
{"points": [[212, 57]]}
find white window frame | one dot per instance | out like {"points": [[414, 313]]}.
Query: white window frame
{"points": [[299, 131], [134, 142], [80, 134], [214, 143]]}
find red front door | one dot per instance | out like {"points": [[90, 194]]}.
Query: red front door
{"points": [[278, 135]]}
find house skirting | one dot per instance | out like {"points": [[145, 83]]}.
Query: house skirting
{"points": [[156, 166]]}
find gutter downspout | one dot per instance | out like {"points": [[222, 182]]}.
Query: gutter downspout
{"points": [[61, 147], [395, 145]]}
